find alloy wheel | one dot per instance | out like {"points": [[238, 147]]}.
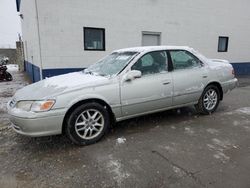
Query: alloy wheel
{"points": [[89, 124], [210, 99]]}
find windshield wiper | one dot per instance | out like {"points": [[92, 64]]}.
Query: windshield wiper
{"points": [[86, 71]]}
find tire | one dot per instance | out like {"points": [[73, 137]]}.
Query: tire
{"points": [[209, 100], [87, 124], [8, 76]]}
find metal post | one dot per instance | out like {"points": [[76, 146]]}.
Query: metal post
{"points": [[39, 41]]}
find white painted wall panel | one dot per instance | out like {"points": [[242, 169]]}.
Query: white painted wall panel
{"points": [[191, 22], [30, 32]]}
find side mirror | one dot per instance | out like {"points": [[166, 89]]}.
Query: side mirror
{"points": [[133, 74]]}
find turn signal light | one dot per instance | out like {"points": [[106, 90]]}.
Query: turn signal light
{"points": [[47, 105]]}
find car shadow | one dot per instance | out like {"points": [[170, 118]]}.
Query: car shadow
{"points": [[139, 124], [147, 122], [131, 126]]}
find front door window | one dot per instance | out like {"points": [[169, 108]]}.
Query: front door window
{"points": [[152, 63]]}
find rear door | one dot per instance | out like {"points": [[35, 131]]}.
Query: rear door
{"points": [[189, 77]]}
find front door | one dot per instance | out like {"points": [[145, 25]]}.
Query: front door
{"points": [[151, 92]]}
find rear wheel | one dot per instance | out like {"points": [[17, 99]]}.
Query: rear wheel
{"points": [[209, 100], [87, 124]]}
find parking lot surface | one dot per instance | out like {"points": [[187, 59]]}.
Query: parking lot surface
{"points": [[176, 148]]}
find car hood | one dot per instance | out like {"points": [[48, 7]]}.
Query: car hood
{"points": [[51, 87]]}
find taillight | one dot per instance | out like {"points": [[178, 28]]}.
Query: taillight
{"points": [[233, 73]]}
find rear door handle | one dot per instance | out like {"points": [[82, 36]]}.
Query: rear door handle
{"points": [[205, 76], [166, 83]]}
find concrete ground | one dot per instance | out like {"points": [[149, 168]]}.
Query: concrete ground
{"points": [[176, 148]]}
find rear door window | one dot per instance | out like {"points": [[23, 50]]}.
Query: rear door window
{"points": [[182, 59]]}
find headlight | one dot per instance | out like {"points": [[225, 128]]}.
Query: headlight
{"points": [[24, 105], [35, 106], [42, 106]]}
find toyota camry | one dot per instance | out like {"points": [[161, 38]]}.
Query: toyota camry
{"points": [[127, 83]]}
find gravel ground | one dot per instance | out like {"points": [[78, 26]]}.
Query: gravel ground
{"points": [[176, 148]]}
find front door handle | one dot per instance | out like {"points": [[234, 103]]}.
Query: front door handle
{"points": [[205, 76]]}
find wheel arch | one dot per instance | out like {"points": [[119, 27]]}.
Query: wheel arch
{"points": [[218, 85], [84, 101]]}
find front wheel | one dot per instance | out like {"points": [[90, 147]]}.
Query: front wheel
{"points": [[87, 124], [209, 100]]}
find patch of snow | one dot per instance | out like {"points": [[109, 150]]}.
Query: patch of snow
{"points": [[121, 140], [236, 123], [151, 48], [242, 124], [245, 110], [247, 128], [12, 67], [135, 162], [212, 131], [115, 168], [170, 149], [189, 131], [173, 127], [178, 171], [72, 80], [221, 156], [228, 113], [213, 147], [224, 144], [220, 147]]}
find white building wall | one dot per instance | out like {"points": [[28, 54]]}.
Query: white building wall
{"points": [[30, 32], [194, 23]]}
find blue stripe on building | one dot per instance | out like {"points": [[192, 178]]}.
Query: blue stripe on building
{"points": [[33, 71], [55, 72], [242, 68]]}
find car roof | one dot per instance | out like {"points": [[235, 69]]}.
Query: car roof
{"points": [[152, 48]]}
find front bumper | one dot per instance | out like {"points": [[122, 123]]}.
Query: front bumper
{"points": [[37, 124]]}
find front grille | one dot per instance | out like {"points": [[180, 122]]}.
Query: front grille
{"points": [[16, 127]]}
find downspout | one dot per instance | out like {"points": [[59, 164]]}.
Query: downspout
{"points": [[39, 41]]}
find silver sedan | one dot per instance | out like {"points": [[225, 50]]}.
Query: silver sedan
{"points": [[127, 83]]}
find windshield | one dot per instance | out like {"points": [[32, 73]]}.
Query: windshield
{"points": [[111, 64]]}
